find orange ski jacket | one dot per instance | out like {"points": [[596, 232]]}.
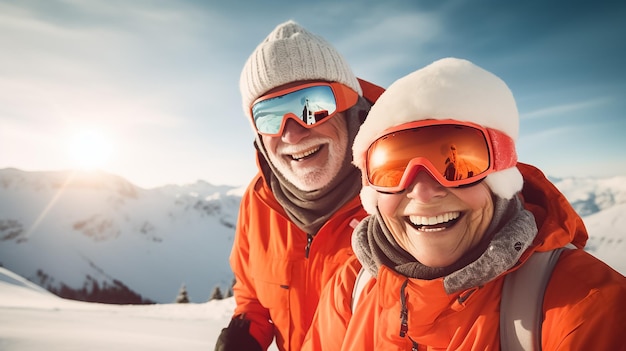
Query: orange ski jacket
{"points": [[583, 307], [279, 269]]}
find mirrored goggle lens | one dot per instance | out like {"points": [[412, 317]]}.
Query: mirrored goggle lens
{"points": [[310, 106], [454, 154]]}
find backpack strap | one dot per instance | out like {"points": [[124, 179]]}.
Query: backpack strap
{"points": [[361, 279], [521, 303]]}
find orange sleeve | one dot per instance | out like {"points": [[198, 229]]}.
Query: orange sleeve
{"points": [[244, 289]]}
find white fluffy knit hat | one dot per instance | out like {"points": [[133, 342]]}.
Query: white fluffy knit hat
{"points": [[290, 53], [449, 88]]}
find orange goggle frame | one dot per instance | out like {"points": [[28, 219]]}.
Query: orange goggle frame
{"points": [[454, 153], [309, 104]]}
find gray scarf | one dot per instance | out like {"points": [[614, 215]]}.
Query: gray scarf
{"points": [[511, 231], [309, 210]]}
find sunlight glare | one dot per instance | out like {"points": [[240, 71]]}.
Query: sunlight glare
{"points": [[90, 149]]}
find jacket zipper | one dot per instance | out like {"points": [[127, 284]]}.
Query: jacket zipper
{"points": [[404, 316], [404, 313], [309, 240]]}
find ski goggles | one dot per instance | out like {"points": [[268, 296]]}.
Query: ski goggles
{"points": [[308, 104], [454, 153]]}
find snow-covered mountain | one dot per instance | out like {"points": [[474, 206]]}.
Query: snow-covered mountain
{"points": [[602, 205], [87, 232], [92, 231], [591, 195]]}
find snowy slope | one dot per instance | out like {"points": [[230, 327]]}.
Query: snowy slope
{"points": [[602, 205], [74, 229], [607, 236], [33, 320], [591, 195]]}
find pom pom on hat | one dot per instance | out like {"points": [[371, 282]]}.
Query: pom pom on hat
{"points": [[291, 53], [449, 88]]}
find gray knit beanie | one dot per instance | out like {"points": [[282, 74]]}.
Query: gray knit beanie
{"points": [[290, 53]]}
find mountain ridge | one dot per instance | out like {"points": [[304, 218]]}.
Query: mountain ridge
{"points": [[70, 229]]}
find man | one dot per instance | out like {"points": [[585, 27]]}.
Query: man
{"points": [[298, 213]]}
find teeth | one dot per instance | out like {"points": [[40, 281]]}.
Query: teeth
{"points": [[446, 217], [430, 230], [304, 154]]}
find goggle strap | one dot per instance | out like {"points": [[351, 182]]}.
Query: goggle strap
{"points": [[345, 97], [503, 148]]}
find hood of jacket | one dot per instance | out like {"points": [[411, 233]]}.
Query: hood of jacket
{"points": [[558, 222]]}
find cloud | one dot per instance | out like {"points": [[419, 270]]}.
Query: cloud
{"points": [[560, 110], [542, 136], [108, 62]]}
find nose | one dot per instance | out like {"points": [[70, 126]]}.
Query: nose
{"points": [[293, 132], [424, 187]]}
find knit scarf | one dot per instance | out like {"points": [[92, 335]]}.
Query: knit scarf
{"points": [[511, 231], [309, 210]]}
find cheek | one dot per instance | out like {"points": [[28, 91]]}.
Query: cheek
{"points": [[270, 143], [476, 198], [336, 128], [388, 204], [480, 202]]}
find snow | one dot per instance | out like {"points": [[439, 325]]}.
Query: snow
{"points": [[32, 319], [590, 195], [70, 227], [607, 236]]}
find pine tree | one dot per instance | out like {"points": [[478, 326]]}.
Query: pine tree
{"points": [[230, 293], [217, 294], [182, 295]]}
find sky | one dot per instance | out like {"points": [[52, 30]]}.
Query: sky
{"points": [[148, 90]]}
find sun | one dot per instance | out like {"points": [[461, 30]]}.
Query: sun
{"points": [[90, 149]]}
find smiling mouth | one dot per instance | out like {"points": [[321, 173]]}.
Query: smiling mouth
{"points": [[435, 223], [300, 156]]}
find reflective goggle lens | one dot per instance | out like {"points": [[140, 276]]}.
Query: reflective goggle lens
{"points": [[454, 154], [309, 105]]}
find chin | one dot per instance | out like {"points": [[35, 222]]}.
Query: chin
{"points": [[311, 181]]}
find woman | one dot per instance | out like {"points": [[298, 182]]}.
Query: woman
{"points": [[439, 248]]}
